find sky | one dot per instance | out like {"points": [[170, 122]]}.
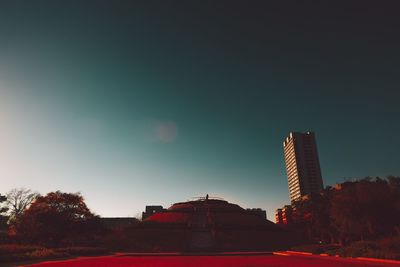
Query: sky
{"points": [[156, 102]]}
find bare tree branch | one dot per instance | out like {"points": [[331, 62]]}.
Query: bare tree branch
{"points": [[19, 199]]}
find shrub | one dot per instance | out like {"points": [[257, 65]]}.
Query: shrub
{"points": [[387, 248], [16, 252], [358, 249], [311, 248], [45, 253], [390, 243], [7, 249], [82, 251]]}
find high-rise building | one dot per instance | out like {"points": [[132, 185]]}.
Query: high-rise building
{"points": [[302, 165]]}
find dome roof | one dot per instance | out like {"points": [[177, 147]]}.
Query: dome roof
{"points": [[208, 212], [210, 224], [209, 204]]}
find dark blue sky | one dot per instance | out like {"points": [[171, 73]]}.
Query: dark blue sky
{"points": [[157, 102]]}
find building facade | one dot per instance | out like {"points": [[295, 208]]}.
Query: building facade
{"points": [[278, 216], [284, 215], [150, 210], [302, 165]]}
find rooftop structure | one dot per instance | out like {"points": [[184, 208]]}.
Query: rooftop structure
{"points": [[209, 211], [150, 210]]}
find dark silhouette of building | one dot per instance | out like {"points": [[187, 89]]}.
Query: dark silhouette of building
{"points": [[258, 212], [278, 216], [118, 222], [284, 215], [287, 214], [150, 210], [209, 223], [302, 165]]}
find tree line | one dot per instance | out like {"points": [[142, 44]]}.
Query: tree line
{"points": [[366, 209], [56, 219]]}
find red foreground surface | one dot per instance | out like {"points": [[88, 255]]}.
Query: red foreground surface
{"points": [[239, 260]]}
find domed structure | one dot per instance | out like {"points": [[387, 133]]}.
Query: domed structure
{"points": [[208, 212], [215, 224]]}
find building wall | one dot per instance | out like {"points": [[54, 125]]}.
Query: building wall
{"points": [[258, 212], [278, 216], [284, 215], [150, 210], [118, 222]]}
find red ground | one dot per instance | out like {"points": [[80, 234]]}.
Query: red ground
{"points": [[213, 261]]}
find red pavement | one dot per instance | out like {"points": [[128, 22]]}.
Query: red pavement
{"points": [[281, 260]]}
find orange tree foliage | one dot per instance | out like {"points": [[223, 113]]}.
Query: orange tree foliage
{"points": [[56, 219]]}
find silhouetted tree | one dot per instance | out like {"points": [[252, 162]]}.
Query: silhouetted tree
{"points": [[56, 219], [366, 209], [355, 210], [312, 216], [347, 213], [3, 219], [2, 207], [18, 199], [394, 186]]}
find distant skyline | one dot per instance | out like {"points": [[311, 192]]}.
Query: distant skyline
{"points": [[136, 104]]}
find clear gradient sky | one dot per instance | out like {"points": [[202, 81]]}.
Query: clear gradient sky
{"points": [[156, 102]]}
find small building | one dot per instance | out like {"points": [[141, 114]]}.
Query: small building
{"points": [[284, 215], [150, 210], [287, 214], [258, 212], [278, 216]]}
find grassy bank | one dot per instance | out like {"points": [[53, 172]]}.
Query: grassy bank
{"points": [[17, 252], [387, 248]]}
